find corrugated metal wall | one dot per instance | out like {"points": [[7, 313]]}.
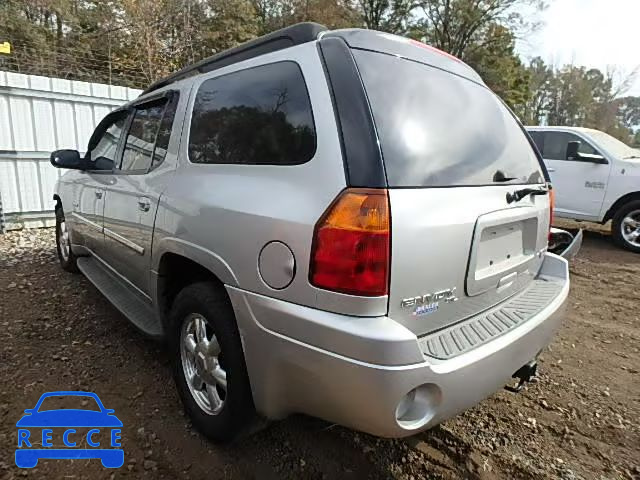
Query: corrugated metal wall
{"points": [[39, 115]]}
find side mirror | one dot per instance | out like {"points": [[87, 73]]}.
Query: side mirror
{"points": [[572, 150], [102, 163], [67, 159], [592, 158]]}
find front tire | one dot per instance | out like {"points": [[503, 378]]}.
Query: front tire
{"points": [[625, 227], [68, 261], [209, 367]]}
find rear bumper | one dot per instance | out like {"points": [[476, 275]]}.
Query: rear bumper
{"points": [[565, 243], [300, 360]]}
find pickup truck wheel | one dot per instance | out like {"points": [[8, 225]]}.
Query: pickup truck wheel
{"points": [[63, 244], [626, 226], [209, 367]]}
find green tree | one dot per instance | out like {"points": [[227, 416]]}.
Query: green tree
{"points": [[393, 16], [628, 109], [275, 14], [577, 96], [536, 105], [455, 26], [502, 70], [482, 33]]}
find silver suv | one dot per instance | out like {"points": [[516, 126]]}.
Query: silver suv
{"points": [[346, 224]]}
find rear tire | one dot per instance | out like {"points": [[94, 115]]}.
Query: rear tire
{"points": [[625, 227], [68, 261], [209, 366]]}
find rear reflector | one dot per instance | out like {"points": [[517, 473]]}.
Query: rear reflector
{"points": [[350, 251], [552, 204]]}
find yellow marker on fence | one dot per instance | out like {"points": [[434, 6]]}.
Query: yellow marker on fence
{"points": [[5, 47]]}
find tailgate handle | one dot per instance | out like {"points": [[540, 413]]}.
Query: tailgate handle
{"points": [[507, 280]]}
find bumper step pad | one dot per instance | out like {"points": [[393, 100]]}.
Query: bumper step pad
{"points": [[475, 331]]}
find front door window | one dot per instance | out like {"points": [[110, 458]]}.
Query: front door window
{"points": [[104, 142]]}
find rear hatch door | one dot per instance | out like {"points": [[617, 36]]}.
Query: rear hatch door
{"points": [[453, 153]]}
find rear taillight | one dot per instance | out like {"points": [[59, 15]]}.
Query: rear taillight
{"points": [[350, 251]]}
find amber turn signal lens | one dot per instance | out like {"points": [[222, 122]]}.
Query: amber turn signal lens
{"points": [[350, 252]]}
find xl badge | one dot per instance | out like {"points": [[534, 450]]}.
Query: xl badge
{"points": [[426, 304]]}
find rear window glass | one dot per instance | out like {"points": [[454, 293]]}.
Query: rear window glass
{"points": [[437, 129], [258, 116]]}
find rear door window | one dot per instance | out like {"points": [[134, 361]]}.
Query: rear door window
{"points": [[164, 134], [258, 116], [437, 129], [538, 139]]}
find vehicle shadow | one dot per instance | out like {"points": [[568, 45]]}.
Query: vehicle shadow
{"points": [[139, 369]]}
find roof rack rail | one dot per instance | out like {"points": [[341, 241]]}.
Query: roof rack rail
{"points": [[271, 42]]}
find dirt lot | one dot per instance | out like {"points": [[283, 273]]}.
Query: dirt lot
{"points": [[582, 420]]}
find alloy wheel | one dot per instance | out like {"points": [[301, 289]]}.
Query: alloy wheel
{"points": [[63, 240], [201, 357], [630, 228]]}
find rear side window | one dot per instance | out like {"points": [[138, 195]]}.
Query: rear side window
{"points": [[538, 139], [164, 134], [258, 116], [437, 129]]}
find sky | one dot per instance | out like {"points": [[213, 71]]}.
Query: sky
{"points": [[593, 33]]}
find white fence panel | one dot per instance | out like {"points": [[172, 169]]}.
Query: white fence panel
{"points": [[39, 115]]}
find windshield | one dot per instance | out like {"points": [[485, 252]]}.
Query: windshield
{"points": [[64, 402], [612, 145], [437, 129]]}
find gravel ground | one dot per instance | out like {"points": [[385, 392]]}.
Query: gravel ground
{"points": [[581, 421]]}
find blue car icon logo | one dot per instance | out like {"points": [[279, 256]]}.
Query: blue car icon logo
{"points": [[69, 433]]}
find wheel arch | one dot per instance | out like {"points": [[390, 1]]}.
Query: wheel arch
{"points": [[629, 197], [181, 264]]}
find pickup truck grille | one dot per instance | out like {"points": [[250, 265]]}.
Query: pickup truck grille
{"points": [[484, 327]]}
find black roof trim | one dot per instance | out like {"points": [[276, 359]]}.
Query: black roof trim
{"points": [[280, 39]]}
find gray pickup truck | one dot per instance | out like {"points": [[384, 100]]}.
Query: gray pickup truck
{"points": [[346, 224]]}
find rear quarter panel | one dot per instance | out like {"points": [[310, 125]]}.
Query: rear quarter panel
{"points": [[223, 215]]}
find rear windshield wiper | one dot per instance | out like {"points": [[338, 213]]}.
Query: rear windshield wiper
{"points": [[500, 176], [520, 194]]}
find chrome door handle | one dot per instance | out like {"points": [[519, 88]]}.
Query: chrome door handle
{"points": [[144, 204], [99, 194], [549, 169]]}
